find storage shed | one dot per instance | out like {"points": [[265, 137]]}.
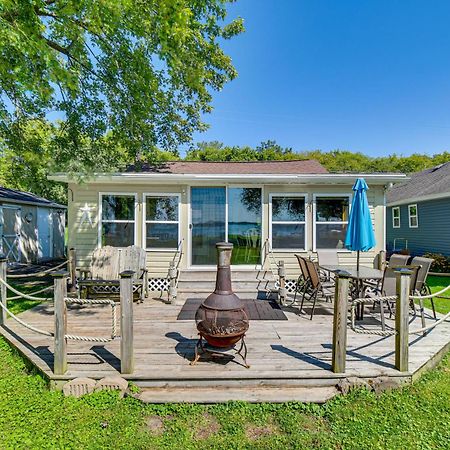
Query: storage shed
{"points": [[31, 227]]}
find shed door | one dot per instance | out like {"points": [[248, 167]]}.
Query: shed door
{"points": [[44, 224], [11, 224]]}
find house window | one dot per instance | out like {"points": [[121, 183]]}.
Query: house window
{"points": [[117, 226], [396, 217], [287, 221], [331, 219], [162, 221], [413, 216]]}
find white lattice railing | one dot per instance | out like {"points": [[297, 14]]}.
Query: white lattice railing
{"points": [[158, 284]]}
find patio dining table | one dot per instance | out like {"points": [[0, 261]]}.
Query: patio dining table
{"points": [[358, 277]]}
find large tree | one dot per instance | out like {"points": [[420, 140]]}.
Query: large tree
{"points": [[139, 71]]}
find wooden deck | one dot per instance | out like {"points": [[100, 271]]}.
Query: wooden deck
{"points": [[294, 354]]}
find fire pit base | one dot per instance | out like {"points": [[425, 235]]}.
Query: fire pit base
{"points": [[202, 347]]}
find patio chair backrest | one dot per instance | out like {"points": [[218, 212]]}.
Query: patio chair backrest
{"points": [[303, 268], [379, 261], [105, 263], [313, 273], [397, 260], [424, 265], [132, 258], [328, 257], [389, 283], [108, 262]]}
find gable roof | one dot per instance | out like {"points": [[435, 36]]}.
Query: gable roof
{"points": [[425, 185], [309, 166], [15, 196], [257, 172]]}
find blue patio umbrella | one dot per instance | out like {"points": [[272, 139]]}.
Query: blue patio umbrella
{"points": [[360, 236]]}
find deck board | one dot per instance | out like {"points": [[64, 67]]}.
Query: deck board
{"points": [[296, 351]]}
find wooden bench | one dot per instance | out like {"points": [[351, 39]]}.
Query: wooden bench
{"points": [[101, 279]]}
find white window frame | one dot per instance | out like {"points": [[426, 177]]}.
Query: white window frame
{"points": [[145, 221], [287, 222], [100, 221], [315, 222], [411, 216], [396, 208]]}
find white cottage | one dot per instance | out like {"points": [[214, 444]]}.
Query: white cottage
{"points": [[181, 209]]}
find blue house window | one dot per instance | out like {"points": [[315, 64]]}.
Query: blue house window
{"points": [[413, 216], [396, 217]]}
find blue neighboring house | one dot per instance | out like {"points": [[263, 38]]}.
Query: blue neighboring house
{"points": [[418, 212]]}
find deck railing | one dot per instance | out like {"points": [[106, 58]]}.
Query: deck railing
{"points": [[401, 331]]}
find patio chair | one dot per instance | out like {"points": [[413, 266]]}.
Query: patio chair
{"points": [[303, 279], [102, 278], [379, 261], [397, 260], [421, 287], [315, 286], [388, 288], [327, 258]]}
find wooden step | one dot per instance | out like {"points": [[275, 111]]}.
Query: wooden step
{"points": [[253, 394]]}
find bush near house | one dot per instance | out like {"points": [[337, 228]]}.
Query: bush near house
{"points": [[441, 263]]}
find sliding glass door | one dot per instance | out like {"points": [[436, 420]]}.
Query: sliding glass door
{"points": [[226, 214], [208, 214]]}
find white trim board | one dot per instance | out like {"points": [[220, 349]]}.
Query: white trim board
{"points": [[168, 178]]}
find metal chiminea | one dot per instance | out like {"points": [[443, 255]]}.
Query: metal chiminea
{"points": [[221, 319]]}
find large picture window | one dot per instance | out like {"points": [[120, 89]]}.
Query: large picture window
{"points": [[331, 219], [287, 221], [162, 221], [117, 227]]}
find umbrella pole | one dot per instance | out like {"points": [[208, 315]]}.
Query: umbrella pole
{"points": [[357, 260]]}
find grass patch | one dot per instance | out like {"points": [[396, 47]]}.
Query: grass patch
{"points": [[442, 305], [414, 417], [28, 286]]}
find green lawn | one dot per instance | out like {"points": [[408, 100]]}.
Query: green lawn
{"points": [[436, 284], [415, 417], [28, 287]]}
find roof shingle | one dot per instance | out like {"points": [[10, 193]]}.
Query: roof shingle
{"points": [[428, 182], [310, 166], [13, 195]]}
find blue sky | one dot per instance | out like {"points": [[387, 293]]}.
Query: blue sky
{"points": [[367, 75]]}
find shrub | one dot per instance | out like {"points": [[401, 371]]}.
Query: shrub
{"points": [[441, 263]]}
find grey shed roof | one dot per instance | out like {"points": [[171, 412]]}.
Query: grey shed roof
{"points": [[27, 198], [429, 183]]}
